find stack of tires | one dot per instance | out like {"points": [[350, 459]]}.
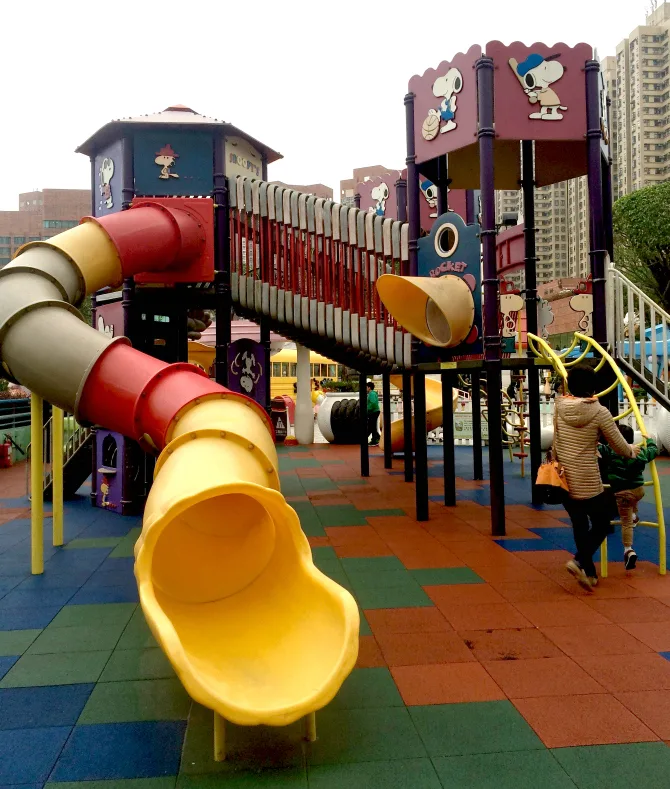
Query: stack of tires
{"points": [[338, 419]]}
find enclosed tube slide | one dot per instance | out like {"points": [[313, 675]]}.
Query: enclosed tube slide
{"points": [[225, 573], [434, 415]]}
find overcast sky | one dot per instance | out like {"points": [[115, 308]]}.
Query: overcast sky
{"points": [[322, 81]]}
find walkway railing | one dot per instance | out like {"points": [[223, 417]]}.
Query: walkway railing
{"points": [[74, 436], [312, 264]]}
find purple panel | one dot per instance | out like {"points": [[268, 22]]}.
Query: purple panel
{"points": [[378, 195], [445, 106], [109, 459], [245, 369], [108, 167], [539, 90], [108, 318]]}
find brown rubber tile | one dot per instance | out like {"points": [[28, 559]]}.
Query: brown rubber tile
{"points": [[512, 644], [652, 707], [546, 591], [595, 640], [496, 616], [406, 620], [656, 635], [622, 673], [450, 683], [523, 679], [637, 609], [369, 654], [570, 612], [416, 649], [446, 597]]}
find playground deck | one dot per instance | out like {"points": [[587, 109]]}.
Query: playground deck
{"points": [[482, 663]]}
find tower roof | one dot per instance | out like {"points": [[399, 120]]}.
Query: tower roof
{"points": [[175, 115]]}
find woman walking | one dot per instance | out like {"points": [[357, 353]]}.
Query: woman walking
{"points": [[580, 421]]}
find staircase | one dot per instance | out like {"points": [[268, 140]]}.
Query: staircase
{"points": [[77, 458], [309, 266], [639, 333]]}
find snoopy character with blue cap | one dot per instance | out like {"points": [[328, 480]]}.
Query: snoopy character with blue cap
{"points": [[535, 74]]}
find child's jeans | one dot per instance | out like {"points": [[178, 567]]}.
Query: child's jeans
{"points": [[626, 503]]}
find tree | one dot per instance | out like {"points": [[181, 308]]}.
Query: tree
{"points": [[642, 240]]}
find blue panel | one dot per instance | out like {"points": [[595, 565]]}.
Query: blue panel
{"points": [[26, 618], [121, 750], [95, 595], [28, 755], [6, 663], [172, 163], [28, 708], [109, 179]]}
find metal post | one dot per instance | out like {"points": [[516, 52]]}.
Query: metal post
{"points": [[530, 292], [420, 446], [443, 182], [408, 449], [363, 420], [57, 416], [267, 368], [222, 292], [448, 439], [477, 460], [94, 437], [304, 410], [413, 211], [470, 214], [594, 177], [401, 199], [219, 738], [36, 484], [386, 420], [492, 359], [607, 207]]}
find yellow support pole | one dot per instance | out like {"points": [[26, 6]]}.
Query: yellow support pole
{"points": [[219, 738], [310, 727], [57, 474], [36, 484]]}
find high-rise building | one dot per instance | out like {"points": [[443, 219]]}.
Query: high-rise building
{"points": [[641, 106], [361, 174], [41, 214]]}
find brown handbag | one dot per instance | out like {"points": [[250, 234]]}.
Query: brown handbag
{"points": [[551, 482]]}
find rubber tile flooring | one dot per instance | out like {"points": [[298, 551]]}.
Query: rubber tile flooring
{"points": [[481, 665]]}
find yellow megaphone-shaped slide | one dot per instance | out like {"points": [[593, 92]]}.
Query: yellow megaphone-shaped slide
{"points": [[226, 579]]}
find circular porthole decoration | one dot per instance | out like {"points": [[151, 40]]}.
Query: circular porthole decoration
{"points": [[446, 240]]}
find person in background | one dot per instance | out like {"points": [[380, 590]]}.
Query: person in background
{"points": [[625, 477], [580, 420], [373, 414]]}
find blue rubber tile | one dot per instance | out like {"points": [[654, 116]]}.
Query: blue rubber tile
{"points": [[121, 750], [92, 595], [33, 598], [110, 578], [28, 755], [666, 655], [120, 564], [528, 545], [9, 582], [55, 705], [51, 580], [5, 664], [16, 502], [26, 618]]}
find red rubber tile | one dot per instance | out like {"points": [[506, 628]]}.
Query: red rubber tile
{"points": [[452, 530], [501, 574], [564, 614], [652, 707], [653, 586], [417, 649], [356, 542], [369, 654], [525, 643], [656, 635], [563, 722], [406, 620], [623, 673], [634, 610], [446, 597], [497, 616], [524, 679], [450, 683], [546, 560], [319, 542], [546, 591], [595, 640]]}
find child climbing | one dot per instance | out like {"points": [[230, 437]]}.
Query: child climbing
{"points": [[625, 476]]}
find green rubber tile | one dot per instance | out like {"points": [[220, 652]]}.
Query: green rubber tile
{"points": [[118, 783], [407, 774], [256, 749], [318, 483], [85, 638], [644, 764], [130, 664], [331, 462], [340, 578], [478, 727], [324, 553], [364, 629], [137, 634], [446, 575], [519, 770], [347, 482], [125, 549], [366, 687], [409, 595], [376, 564], [340, 515], [289, 464], [145, 700], [364, 735], [247, 779], [108, 614], [329, 566], [384, 513], [64, 668], [93, 542], [15, 642], [387, 580], [309, 520], [290, 485]]}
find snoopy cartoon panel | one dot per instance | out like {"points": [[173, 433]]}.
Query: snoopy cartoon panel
{"points": [[108, 318], [540, 90], [108, 179], [378, 195], [445, 106], [246, 369], [173, 163], [452, 249]]}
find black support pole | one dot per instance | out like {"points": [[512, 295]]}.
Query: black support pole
{"points": [[407, 425], [420, 446], [530, 292], [221, 265], [386, 420], [448, 439], [267, 365], [477, 460], [363, 421]]}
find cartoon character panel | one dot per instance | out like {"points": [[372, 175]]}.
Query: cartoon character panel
{"points": [[245, 365], [445, 106], [173, 163], [108, 171], [452, 248], [378, 195], [108, 318], [540, 91], [110, 461]]}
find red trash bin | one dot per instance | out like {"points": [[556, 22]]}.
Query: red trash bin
{"points": [[279, 416]]}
